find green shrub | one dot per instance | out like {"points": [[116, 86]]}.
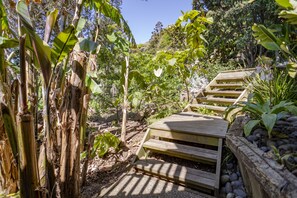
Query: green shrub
{"points": [[281, 88], [262, 112]]}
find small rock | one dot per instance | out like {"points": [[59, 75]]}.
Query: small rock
{"points": [[281, 122], [230, 195], [293, 134], [224, 171], [239, 192], [236, 184], [279, 142], [294, 172], [295, 159], [260, 131], [238, 197], [252, 138], [265, 149], [240, 179], [223, 190], [229, 166], [228, 187], [292, 119], [291, 160], [286, 141], [233, 177], [238, 173], [288, 147], [225, 179]]}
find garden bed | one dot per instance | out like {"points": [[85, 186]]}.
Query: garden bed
{"points": [[262, 175]]}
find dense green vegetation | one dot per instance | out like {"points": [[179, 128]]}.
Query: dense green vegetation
{"points": [[83, 61]]}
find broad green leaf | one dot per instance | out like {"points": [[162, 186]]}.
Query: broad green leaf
{"points": [[50, 23], [289, 15], [269, 121], [266, 37], [284, 3], [86, 45], [41, 50], [22, 10], [94, 87], [63, 44], [112, 37], [248, 127], [80, 25], [8, 43]]}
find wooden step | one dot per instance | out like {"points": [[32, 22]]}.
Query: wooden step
{"points": [[193, 123], [180, 174], [210, 107], [227, 86], [224, 93], [230, 79], [181, 151], [227, 101]]}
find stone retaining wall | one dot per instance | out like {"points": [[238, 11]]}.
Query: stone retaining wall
{"points": [[263, 177]]}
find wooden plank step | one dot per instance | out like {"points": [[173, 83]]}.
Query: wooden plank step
{"points": [[181, 174], [210, 107], [181, 151], [230, 79], [186, 137], [193, 123], [227, 86], [223, 93], [227, 101]]}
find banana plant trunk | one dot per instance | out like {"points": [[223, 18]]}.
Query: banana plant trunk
{"points": [[70, 129], [29, 179]]}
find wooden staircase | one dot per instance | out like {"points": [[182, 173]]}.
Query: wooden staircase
{"points": [[192, 138], [188, 136], [225, 89]]}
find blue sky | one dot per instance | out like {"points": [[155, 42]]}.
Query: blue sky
{"points": [[142, 16]]}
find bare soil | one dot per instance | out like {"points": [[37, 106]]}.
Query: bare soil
{"points": [[103, 172]]}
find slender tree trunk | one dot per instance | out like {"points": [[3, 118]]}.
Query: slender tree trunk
{"points": [[84, 118], [125, 102]]}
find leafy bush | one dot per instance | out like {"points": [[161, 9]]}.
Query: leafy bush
{"points": [[263, 113], [102, 143]]}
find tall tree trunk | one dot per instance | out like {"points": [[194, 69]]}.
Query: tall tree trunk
{"points": [[125, 102], [70, 119]]}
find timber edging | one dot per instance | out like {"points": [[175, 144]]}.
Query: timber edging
{"points": [[263, 177]]}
